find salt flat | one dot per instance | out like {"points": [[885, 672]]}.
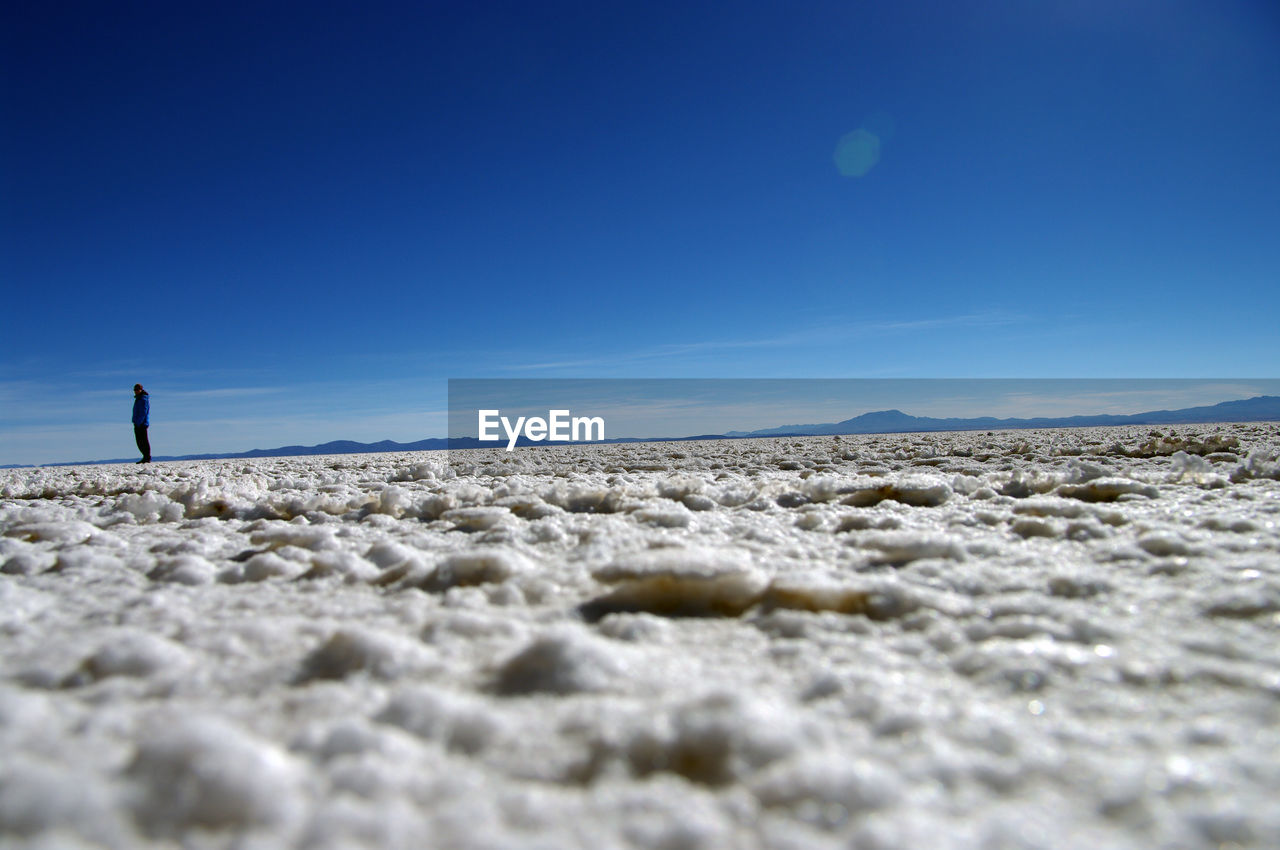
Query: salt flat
{"points": [[1049, 639]]}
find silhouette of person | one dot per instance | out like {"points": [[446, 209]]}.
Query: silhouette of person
{"points": [[141, 421]]}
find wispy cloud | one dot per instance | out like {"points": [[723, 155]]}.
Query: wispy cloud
{"points": [[824, 333], [968, 320], [228, 392]]}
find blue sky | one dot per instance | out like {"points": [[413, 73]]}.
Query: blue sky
{"points": [[294, 222]]}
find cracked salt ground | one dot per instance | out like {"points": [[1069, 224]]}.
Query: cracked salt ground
{"points": [[1027, 639]]}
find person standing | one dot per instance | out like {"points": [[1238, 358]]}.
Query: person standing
{"points": [[141, 421]]}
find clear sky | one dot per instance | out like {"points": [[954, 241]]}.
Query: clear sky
{"points": [[293, 222]]}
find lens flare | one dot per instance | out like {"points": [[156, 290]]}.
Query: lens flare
{"points": [[857, 153]]}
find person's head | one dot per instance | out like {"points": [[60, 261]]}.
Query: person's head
{"points": [[138, 390]]}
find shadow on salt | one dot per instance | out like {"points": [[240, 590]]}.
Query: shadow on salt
{"points": [[699, 582]]}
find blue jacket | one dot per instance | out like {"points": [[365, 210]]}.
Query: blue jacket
{"points": [[142, 409]]}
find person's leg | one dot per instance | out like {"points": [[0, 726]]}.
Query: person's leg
{"points": [[144, 444]]}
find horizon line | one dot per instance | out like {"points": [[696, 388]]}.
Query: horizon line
{"points": [[731, 434]]}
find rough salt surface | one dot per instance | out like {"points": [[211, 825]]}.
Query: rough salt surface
{"points": [[1047, 639]]}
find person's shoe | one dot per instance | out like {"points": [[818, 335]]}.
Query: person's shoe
{"points": [[144, 460]]}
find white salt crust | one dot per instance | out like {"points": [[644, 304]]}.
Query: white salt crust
{"points": [[1050, 639]]}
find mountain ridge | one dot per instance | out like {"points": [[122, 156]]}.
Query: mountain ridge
{"points": [[892, 421], [1256, 409]]}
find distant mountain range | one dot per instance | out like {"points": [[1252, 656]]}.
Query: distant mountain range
{"points": [[1258, 409]]}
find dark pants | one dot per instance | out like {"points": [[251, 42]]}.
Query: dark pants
{"points": [[144, 445]]}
